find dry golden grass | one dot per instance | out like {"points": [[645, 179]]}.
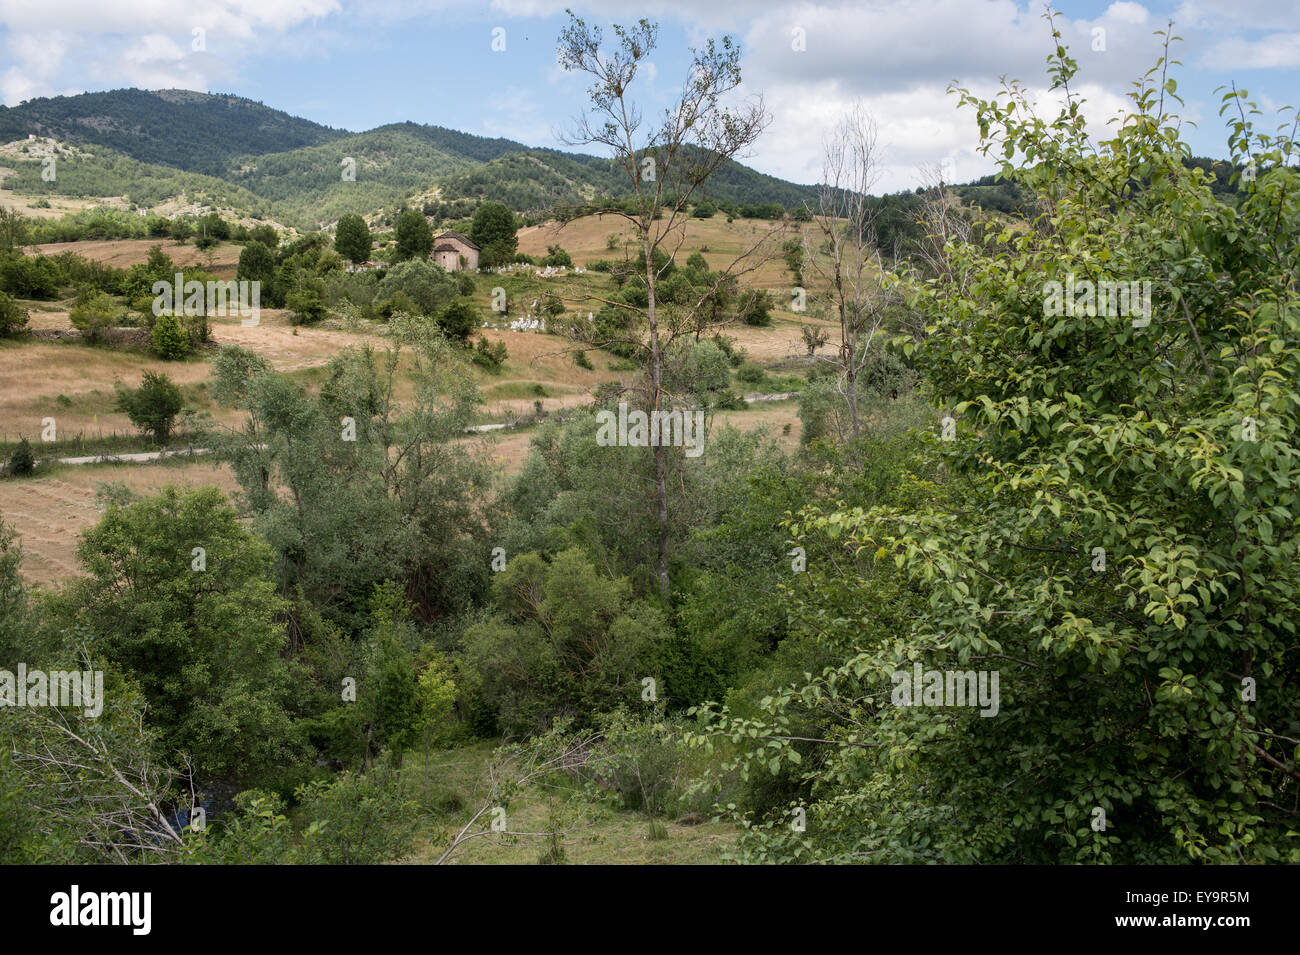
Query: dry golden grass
{"points": [[585, 240], [60, 206], [122, 253]]}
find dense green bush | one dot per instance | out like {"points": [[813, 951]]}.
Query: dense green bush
{"points": [[169, 340], [93, 314], [22, 462], [153, 406]]}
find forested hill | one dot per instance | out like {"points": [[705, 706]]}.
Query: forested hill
{"points": [[196, 132], [294, 166]]}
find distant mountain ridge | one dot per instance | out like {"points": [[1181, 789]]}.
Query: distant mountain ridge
{"points": [[196, 132], [297, 166]]}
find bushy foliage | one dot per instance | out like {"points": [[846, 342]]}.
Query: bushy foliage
{"points": [[428, 287], [199, 636], [13, 317], [153, 406], [1118, 543], [169, 339], [93, 314], [564, 641]]}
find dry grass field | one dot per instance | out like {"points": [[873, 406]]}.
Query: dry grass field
{"points": [[123, 253], [720, 242]]}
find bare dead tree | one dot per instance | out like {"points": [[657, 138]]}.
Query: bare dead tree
{"points": [[847, 259], [666, 164], [942, 222]]}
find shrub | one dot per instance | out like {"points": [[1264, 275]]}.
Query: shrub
{"points": [[153, 406], [750, 373], [13, 317], [425, 284], [306, 306], [357, 819], [29, 276], [582, 361], [458, 320], [490, 355], [94, 313], [22, 461], [728, 345], [755, 305], [640, 761], [556, 256], [169, 340]]}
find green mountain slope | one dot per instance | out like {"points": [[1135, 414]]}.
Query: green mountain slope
{"points": [[390, 163], [540, 178], [97, 171], [197, 132], [258, 161]]}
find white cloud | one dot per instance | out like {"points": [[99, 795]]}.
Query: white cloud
{"points": [[917, 127], [1221, 17], [139, 42], [1275, 51]]}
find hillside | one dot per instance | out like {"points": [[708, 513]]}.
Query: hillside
{"points": [[196, 132], [152, 147]]}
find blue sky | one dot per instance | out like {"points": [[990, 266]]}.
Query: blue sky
{"points": [[360, 65]]}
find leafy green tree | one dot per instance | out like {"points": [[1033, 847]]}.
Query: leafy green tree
{"points": [[22, 462], [493, 231], [793, 251], [401, 502], [1116, 538], [306, 303], [352, 238], [257, 264], [153, 406], [458, 320], [697, 136], [425, 284], [13, 229], [556, 256], [413, 235], [266, 235], [198, 631], [26, 276], [93, 314], [754, 307], [566, 641]]}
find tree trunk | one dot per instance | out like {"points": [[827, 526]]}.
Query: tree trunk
{"points": [[656, 396]]}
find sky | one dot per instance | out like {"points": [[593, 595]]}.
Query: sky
{"points": [[490, 67]]}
